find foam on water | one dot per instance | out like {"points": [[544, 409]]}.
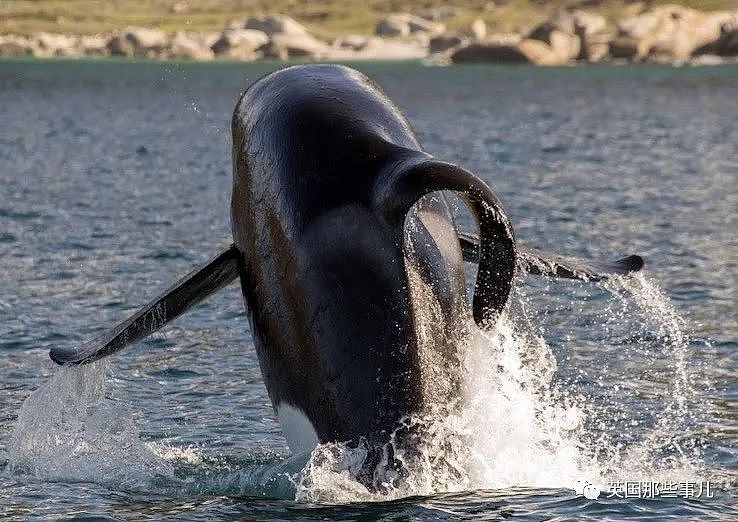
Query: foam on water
{"points": [[517, 424]]}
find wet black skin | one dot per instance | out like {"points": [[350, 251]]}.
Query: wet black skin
{"points": [[315, 148]]}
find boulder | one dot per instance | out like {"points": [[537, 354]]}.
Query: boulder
{"points": [[564, 32], [393, 26], [189, 46], [562, 22], [527, 51], [690, 30], [404, 24], [291, 45], [355, 42], [510, 48], [586, 23], [240, 44], [446, 42], [595, 47], [540, 53], [274, 24], [51, 44], [138, 41], [726, 43], [421, 25], [490, 52], [397, 50], [11, 45], [668, 33], [478, 30], [564, 47], [93, 45], [379, 49]]}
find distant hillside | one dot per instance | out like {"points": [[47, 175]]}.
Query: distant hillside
{"points": [[325, 18]]}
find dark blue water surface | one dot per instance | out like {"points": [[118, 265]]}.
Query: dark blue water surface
{"points": [[115, 180]]}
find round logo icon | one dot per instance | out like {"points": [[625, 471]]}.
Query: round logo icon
{"points": [[591, 491], [586, 488]]}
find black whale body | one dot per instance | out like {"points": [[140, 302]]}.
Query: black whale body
{"points": [[335, 206], [319, 153]]}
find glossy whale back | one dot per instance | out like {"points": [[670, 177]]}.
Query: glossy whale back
{"points": [[324, 274]]}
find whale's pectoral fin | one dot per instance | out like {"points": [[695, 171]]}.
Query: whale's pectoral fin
{"points": [[538, 262], [180, 297]]}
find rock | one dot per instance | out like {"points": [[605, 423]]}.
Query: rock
{"points": [[562, 22], [595, 47], [11, 45], [421, 25], [690, 30], [380, 49], [504, 38], [624, 47], [510, 49], [355, 42], [95, 45], [189, 46], [138, 41], [668, 33], [446, 42], [494, 52], [404, 24], [726, 43], [393, 26], [240, 44], [479, 52], [291, 45], [540, 53], [478, 30], [274, 24], [50, 44], [563, 33], [586, 23], [235, 23], [564, 47]]}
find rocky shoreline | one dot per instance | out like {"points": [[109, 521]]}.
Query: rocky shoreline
{"points": [[665, 34]]}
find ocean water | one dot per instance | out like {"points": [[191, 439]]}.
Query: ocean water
{"points": [[115, 180]]}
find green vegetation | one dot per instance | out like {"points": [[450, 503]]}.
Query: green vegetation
{"points": [[325, 18]]}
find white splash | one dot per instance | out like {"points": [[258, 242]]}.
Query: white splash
{"points": [[68, 429], [519, 426]]}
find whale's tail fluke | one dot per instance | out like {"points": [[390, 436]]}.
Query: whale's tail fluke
{"points": [[538, 262], [417, 174], [180, 297]]}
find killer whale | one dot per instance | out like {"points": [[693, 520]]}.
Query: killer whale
{"points": [[335, 208]]}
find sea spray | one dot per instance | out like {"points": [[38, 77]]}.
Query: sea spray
{"points": [[73, 428], [665, 448], [69, 429], [522, 424], [528, 414]]}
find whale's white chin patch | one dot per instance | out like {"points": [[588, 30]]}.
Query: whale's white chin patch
{"points": [[297, 428]]}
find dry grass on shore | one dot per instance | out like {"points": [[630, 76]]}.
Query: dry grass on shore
{"points": [[325, 18]]}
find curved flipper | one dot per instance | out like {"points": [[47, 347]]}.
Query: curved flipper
{"points": [[417, 174], [180, 297], [538, 262]]}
